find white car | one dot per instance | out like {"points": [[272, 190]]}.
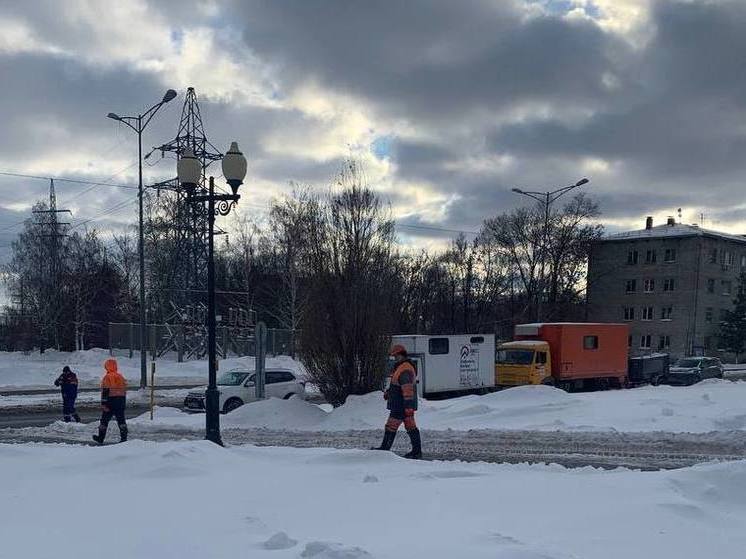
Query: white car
{"points": [[237, 388]]}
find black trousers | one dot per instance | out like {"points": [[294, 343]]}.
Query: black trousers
{"points": [[116, 409]]}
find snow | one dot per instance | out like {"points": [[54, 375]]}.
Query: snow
{"points": [[676, 230], [40, 370], [193, 499], [712, 405]]}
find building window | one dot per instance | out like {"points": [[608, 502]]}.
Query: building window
{"points": [[590, 342], [727, 286], [710, 286], [708, 314], [666, 313], [650, 256], [727, 258], [631, 286], [647, 313], [632, 257], [645, 341], [714, 256], [669, 284], [649, 285], [670, 255], [664, 342], [629, 313]]}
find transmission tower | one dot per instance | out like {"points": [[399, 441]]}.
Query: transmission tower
{"points": [[191, 219], [50, 263]]}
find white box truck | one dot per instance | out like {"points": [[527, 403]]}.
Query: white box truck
{"points": [[446, 365]]}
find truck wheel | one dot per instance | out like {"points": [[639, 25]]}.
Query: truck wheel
{"points": [[288, 396], [549, 381], [232, 404]]}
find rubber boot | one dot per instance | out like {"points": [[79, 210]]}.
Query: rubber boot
{"points": [[416, 452], [101, 435], [66, 418], [388, 440], [76, 417], [123, 432]]}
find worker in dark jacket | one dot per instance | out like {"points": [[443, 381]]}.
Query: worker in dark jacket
{"points": [[113, 401], [401, 397], [68, 383]]}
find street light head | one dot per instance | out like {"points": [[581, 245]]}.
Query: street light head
{"points": [[517, 190], [581, 182], [234, 167], [170, 94], [188, 170], [114, 116]]}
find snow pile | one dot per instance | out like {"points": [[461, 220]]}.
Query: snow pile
{"points": [[193, 499], [713, 405], [40, 370]]}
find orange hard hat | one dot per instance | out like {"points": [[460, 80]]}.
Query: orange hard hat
{"points": [[398, 349]]}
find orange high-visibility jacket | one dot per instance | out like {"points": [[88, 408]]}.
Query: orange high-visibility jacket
{"points": [[113, 385]]}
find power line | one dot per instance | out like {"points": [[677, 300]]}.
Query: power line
{"points": [[75, 181], [433, 228]]}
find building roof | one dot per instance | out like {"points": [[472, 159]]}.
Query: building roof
{"points": [[670, 231]]}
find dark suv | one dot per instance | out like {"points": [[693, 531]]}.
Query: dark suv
{"points": [[691, 370]]}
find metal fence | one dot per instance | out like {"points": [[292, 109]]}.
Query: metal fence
{"points": [[187, 343]]}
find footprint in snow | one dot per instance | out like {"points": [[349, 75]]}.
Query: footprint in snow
{"points": [[280, 540], [326, 550]]}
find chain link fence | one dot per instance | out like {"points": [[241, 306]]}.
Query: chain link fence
{"points": [[190, 342]]}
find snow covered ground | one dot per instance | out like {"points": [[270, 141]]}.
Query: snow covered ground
{"points": [[193, 499], [712, 405], [35, 370]]}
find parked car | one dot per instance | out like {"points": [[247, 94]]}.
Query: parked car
{"points": [[237, 388], [691, 370]]}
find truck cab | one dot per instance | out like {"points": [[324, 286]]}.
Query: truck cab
{"points": [[523, 362]]}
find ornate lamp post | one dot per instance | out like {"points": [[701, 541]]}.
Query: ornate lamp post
{"points": [[189, 173]]}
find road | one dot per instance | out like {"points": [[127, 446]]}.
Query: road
{"points": [[43, 416]]}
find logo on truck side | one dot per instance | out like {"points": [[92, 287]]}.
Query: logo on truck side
{"points": [[469, 366]]}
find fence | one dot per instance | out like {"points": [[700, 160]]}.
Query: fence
{"points": [[186, 342]]}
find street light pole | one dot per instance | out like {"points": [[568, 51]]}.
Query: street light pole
{"points": [[546, 199], [189, 172], [136, 124]]}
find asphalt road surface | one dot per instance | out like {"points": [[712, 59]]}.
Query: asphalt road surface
{"points": [[43, 416]]}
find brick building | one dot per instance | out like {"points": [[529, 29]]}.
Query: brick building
{"points": [[671, 283]]}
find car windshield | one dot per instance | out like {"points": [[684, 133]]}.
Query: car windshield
{"points": [[232, 378], [687, 363], [515, 356]]}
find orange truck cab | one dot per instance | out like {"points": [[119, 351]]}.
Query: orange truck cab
{"points": [[567, 355]]}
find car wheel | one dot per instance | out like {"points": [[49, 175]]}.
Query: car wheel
{"points": [[288, 396], [232, 404]]}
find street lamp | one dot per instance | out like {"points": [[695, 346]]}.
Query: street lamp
{"points": [[547, 199], [189, 171], [138, 124]]}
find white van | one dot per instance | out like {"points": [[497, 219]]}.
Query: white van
{"points": [[452, 364]]}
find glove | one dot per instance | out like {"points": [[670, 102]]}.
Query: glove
{"points": [[385, 394], [409, 412]]}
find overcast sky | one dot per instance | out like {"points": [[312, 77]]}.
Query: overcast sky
{"points": [[449, 103]]}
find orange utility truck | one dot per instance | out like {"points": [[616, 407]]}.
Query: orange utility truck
{"points": [[566, 355]]}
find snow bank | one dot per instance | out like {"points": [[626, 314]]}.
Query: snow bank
{"points": [[193, 499], [40, 370], [713, 405]]}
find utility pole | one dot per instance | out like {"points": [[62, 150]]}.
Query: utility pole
{"points": [[546, 199], [48, 219]]}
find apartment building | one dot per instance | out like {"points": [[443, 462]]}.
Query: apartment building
{"points": [[671, 283]]}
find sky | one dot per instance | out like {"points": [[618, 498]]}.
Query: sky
{"points": [[448, 104]]}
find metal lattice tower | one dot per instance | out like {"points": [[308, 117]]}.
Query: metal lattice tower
{"points": [[191, 220]]}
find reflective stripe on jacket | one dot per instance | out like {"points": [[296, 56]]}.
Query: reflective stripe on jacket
{"points": [[402, 392]]}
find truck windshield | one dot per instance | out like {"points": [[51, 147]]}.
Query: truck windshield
{"points": [[232, 378], [515, 356], [687, 363]]}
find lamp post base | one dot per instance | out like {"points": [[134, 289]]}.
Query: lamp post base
{"points": [[212, 416]]}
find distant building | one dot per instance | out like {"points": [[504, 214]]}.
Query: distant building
{"points": [[671, 283]]}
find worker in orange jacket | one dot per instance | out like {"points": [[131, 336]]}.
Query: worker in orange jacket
{"points": [[401, 397], [113, 401]]}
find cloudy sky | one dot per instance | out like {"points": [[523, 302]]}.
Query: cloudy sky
{"points": [[450, 104]]}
